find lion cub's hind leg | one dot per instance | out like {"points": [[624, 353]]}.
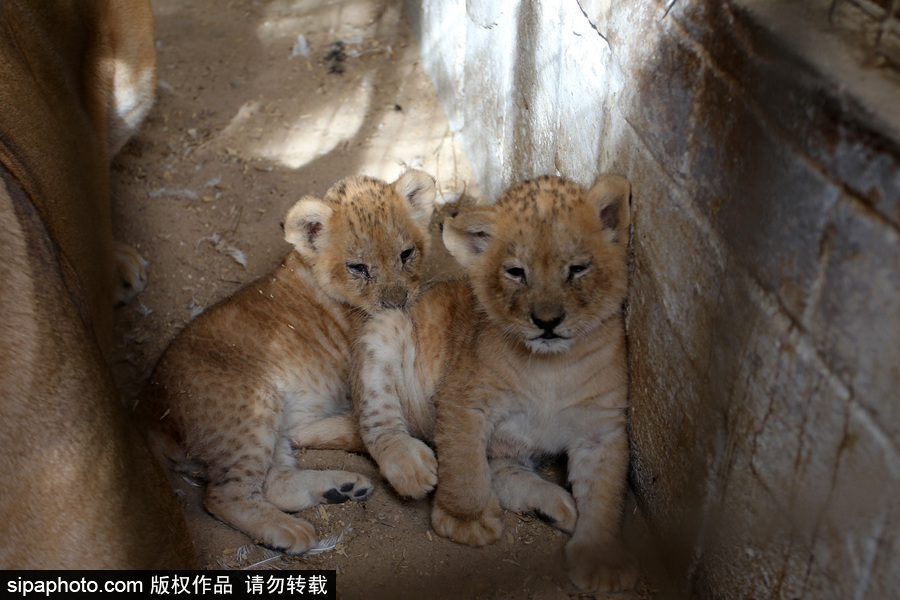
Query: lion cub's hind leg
{"points": [[521, 489], [239, 453], [292, 489], [257, 500], [239, 500], [250, 512]]}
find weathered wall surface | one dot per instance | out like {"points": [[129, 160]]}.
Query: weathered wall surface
{"points": [[764, 316]]}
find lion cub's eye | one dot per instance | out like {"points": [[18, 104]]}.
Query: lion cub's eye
{"points": [[578, 270], [407, 254], [516, 273], [358, 269]]}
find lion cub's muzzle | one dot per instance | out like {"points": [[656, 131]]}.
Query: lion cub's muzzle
{"points": [[395, 297], [551, 336], [548, 318]]}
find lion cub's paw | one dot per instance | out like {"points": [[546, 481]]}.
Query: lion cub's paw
{"points": [[558, 509], [477, 530], [131, 273], [291, 535], [410, 467], [355, 488], [607, 571]]}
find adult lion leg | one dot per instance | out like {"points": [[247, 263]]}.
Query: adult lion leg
{"points": [[126, 74], [128, 62], [131, 273]]}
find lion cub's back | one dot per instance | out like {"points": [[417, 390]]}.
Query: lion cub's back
{"points": [[233, 363]]}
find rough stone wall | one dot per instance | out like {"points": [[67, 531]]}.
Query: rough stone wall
{"points": [[764, 315]]}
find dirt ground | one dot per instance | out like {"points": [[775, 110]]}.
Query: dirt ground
{"points": [[259, 103]]}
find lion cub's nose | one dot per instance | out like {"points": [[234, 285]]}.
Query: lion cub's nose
{"points": [[548, 322], [395, 297]]}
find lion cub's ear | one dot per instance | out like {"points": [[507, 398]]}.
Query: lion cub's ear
{"points": [[610, 194], [419, 190], [305, 225], [468, 234]]}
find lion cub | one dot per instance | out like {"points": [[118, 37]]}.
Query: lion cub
{"points": [[526, 358], [266, 371]]}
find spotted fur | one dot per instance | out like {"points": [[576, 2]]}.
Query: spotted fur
{"points": [[525, 358], [266, 371]]}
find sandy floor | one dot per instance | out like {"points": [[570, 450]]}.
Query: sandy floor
{"points": [[245, 124]]}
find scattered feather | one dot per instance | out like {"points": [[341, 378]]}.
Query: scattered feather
{"points": [[135, 335], [213, 182], [329, 544], [218, 242], [196, 309], [174, 192], [234, 253], [301, 47], [265, 561], [213, 239], [250, 556]]}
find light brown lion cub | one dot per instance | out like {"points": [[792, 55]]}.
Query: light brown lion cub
{"points": [[526, 358], [266, 371]]}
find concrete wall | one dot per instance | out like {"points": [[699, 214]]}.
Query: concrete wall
{"points": [[764, 315]]}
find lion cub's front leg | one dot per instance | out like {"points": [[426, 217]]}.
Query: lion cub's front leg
{"points": [[595, 556], [386, 391], [466, 509]]}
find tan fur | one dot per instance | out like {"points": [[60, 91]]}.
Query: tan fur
{"points": [[266, 371], [526, 358], [80, 489]]}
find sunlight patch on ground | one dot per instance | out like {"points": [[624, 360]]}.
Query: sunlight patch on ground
{"points": [[311, 135], [285, 130]]}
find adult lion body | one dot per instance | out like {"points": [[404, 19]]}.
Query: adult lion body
{"points": [[80, 489]]}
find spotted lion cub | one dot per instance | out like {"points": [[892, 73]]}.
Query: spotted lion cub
{"points": [[526, 358], [266, 371]]}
